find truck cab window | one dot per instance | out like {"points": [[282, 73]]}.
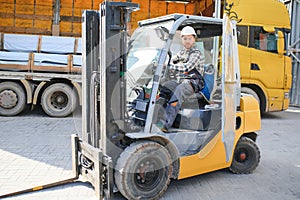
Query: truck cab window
{"points": [[262, 40], [242, 35]]}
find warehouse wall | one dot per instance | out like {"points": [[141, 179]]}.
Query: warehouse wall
{"points": [[63, 17]]}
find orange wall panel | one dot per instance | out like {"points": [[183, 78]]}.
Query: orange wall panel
{"points": [[66, 3], [78, 12], [42, 24], [96, 4], [7, 22], [65, 26], [45, 2], [43, 10], [77, 27], [190, 9], [144, 4], [66, 11], [26, 2], [83, 4], [209, 2], [7, 8], [202, 5], [24, 9], [7, 1], [157, 8], [25, 23], [176, 8]]}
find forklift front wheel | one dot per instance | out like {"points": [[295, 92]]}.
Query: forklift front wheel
{"points": [[246, 157], [143, 170]]}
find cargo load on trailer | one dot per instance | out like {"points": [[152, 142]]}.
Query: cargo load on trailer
{"points": [[36, 69]]}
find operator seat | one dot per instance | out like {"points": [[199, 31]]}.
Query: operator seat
{"points": [[202, 98], [196, 113]]}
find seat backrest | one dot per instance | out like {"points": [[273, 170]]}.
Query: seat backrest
{"points": [[209, 79]]}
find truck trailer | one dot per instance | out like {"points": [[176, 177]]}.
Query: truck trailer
{"points": [[36, 69]]}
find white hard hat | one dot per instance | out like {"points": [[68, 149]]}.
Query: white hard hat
{"points": [[188, 30]]}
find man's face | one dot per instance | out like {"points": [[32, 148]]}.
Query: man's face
{"points": [[188, 41]]}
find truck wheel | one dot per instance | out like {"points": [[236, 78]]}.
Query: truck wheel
{"points": [[58, 100], [12, 98], [246, 157], [143, 170]]}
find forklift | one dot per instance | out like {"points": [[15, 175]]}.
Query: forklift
{"points": [[120, 148]]}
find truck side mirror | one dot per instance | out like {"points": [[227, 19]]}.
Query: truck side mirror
{"points": [[280, 43]]}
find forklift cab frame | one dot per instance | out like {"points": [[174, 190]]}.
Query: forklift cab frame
{"points": [[120, 150]]}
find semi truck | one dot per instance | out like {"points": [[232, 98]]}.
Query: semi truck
{"points": [[36, 69], [266, 68]]}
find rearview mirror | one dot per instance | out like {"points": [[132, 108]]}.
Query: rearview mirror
{"points": [[280, 43]]}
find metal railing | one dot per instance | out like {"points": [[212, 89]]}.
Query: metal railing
{"points": [[294, 50]]}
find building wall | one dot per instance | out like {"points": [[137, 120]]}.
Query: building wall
{"points": [[39, 16]]}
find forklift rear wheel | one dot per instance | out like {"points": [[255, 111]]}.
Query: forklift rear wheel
{"points": [[246, 157], [12, 98], [58, 100], [143, 170]]}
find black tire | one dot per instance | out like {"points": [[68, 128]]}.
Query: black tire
{"points": [[246, 157], [12, 98], [143, 170], [59, 100]]}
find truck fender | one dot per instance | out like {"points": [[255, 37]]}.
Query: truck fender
{"points": [[37, 91], [28, 89], [170, 146], [79, 91]]}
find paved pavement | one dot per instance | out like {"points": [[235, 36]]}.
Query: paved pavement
{"points": [[35, 150]]}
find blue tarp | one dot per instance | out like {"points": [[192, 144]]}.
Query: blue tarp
{"points": [[49, 44], [20, 43], [40, 59], [59, 45], [54, 50], [17, 58]]}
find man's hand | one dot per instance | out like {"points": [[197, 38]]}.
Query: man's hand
{"points": [[175, 59]]}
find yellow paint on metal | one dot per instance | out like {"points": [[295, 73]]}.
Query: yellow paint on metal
{"points": [[212, 157], [250, 107], [261, 13], [37, 188]]}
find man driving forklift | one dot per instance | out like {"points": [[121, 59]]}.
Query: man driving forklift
{"points": [[188, 67]]}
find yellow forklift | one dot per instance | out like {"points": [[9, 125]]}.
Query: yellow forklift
{"points": [[120, 148]]}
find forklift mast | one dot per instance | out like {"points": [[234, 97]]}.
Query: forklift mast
{"points": [[104, 41], [104, 87]]}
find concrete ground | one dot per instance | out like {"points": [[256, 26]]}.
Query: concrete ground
{"points": [[35, 150]]}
